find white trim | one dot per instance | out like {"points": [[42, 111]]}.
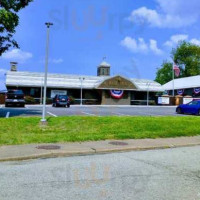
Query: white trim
{"points": [[7, 114], [89, 114], [52, 114], [121, 114]]}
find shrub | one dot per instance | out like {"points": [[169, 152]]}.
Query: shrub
{"points": [[49, 101], [29, 100], [152, 103], [72, 99]]}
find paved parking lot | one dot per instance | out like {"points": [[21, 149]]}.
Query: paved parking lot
{"points": [[36, 110]]}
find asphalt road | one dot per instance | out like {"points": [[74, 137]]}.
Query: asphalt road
{"points": [[172, 174], [89, 111]]}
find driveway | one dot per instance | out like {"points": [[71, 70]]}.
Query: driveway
{"points": [[36, 110]]}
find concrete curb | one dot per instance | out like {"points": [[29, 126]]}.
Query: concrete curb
{"points": [[27, 152], [42, 156]]}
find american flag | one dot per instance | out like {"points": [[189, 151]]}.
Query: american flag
{"points": [[177, 70]]}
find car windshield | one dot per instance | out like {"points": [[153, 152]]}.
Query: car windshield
{"points": [[193, 103], [18, 92], [63, 97]]}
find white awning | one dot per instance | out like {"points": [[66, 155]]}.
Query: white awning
{"points": [[183, 83], [32, 79]]}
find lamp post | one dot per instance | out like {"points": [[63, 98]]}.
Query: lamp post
{"points": [[148, 85], [48, 25], [81, 79], [41, 92]]}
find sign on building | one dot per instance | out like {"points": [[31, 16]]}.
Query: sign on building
{"points": [[58, 92], [163, 100], [187, 100]]}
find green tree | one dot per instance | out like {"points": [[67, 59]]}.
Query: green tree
{"points": [[9, 20], [164, 74], [187, 56]]}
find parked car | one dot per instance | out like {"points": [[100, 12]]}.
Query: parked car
{"points": [[190, 108], [14, 98], [61, 100]]}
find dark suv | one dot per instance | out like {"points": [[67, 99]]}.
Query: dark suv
{"points": [[14, 98], [61, 100]]}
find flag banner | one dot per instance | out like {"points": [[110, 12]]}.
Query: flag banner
{"points": [[177, 70], [180, 92], [117, 94], [196, 90]]}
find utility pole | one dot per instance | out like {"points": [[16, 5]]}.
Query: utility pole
{"points": [[48, 25], [41, 92], [81, 79], [148, 85], [173, 92]]}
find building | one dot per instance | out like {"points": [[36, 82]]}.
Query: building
{"points": [[189, 86], [101, 89]]}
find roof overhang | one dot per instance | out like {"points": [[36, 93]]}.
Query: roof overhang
{"points": [[118, 83]]}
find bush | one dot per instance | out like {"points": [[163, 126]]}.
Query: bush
{"points": [[152, 103], [29, 100], [72, 100], [49, 101]]}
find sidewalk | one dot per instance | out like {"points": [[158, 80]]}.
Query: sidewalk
{"points": [[33, 151]]}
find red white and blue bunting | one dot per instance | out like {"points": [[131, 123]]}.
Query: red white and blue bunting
{"points": [[196, 90], [180, 92], [117, 94]]}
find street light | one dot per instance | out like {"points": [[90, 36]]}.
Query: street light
{"points": [[148, 85], [81, 79], [41, 92], [48, 24]]}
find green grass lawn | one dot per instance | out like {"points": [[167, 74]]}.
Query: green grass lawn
{"points": [[73, 129]]}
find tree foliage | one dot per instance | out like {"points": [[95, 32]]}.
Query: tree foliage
{"points": [[9, 20], [164, 74], [186, 56]]}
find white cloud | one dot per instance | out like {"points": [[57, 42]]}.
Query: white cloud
{"points": [[195, 41], [144, 14], [130, 44], [154, 47], [134, 45], [140, 46], [53, 60], [56, 61], [175, 39], [17, 55], [169, 14]]}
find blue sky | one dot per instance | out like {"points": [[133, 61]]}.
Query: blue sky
{"points": [[134, 35]]}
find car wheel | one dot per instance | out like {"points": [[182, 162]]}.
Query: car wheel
{"points": [[198, 113], [179, 111]]}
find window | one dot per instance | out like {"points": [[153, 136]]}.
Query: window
{"points": [[193, 103]]}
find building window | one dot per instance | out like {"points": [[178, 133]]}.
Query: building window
{"points": [[32, 92]]}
